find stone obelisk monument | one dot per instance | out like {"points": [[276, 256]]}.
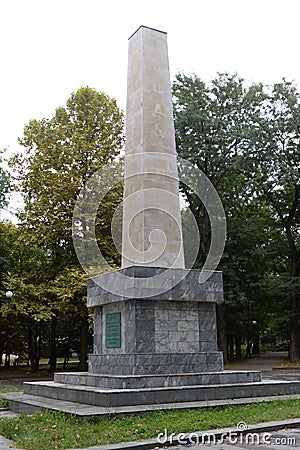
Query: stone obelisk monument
{"points": [[155, 333], [158, 318], [152, 234]]}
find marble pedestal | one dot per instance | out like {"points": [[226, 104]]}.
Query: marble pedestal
{"points": [[165, 322], [155, 331]]}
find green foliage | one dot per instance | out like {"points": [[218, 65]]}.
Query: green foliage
{"points": [[60, 155], [4, 186], [246, 140], [211, 124], [276, 157], [6, 259]]}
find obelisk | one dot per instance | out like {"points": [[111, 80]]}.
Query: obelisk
{"points": [[152, 232], [152, 315], [155, 334]]}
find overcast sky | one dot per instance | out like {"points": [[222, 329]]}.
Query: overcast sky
{"points": [[51, 48]]}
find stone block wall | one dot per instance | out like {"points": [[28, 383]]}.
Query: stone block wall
{"points": [[158, 327]]}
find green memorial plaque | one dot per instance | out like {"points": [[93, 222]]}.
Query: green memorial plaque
{"points": [[113, 330]]}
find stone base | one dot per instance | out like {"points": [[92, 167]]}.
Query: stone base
{"points": [[155, 363], [72, 398], [156, 381], [155, 342], [155, 283], [164, 321]]}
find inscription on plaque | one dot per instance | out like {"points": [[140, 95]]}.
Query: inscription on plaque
{"points": [[113, 330]]}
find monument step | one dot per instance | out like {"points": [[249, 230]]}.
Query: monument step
{"points": [[156, 380], [29, 404], [145, 396]]}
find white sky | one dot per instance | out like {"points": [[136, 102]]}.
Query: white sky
{"points": [[51, 48]]}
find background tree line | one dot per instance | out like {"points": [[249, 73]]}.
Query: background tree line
{"points": [[245, 138], [49, 286]]}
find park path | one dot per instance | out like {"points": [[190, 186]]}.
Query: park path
{"points": [[265, 362]]}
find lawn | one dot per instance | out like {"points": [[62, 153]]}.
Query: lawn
{"points": [[288, 364], [52, 430], [6, 387]]}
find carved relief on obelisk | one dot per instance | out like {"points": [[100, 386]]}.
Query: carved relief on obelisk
{"points": [[152, 231]]}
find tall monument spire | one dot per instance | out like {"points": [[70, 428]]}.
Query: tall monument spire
{"points": [[152, 231]]}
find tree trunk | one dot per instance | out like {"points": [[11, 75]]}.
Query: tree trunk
{"points": [[38, 342], [295, 303], [52, 358], [231, 347], [30, 347], [84, 344], [34, 345], [255, 348], [238, 345], [294, 327], [295, 271], [7, 359]]}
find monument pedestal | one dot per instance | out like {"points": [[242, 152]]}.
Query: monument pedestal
{"points": [[155, 331], [155, 339], [156, 321]]}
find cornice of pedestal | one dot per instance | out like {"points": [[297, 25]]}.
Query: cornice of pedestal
{"points": [[155, 283]]}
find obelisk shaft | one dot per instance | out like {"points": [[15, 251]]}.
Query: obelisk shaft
{"points": [[152, 231]]}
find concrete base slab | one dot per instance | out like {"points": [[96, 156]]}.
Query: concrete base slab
{"points": [[157, 380], [52, 395], [29, 404], [147, 396], [157, 363]]}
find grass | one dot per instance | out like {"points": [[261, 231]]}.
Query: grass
{"points": [[53, 430], [71, 364], [287, 363], [59, 360], [6, 388]]}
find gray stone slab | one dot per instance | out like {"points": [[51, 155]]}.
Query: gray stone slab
{"points": [[152, 381], [147, 396], [5, 412], [159, 327], [155, 363], [87, 411], [139, 282], [7, 444]]}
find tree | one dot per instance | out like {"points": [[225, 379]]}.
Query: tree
{"points": [[211, 123], [248, 264], [5, 258], [61, 154], [246, 141], [28, 309], [276, 156], [4, 186]]}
